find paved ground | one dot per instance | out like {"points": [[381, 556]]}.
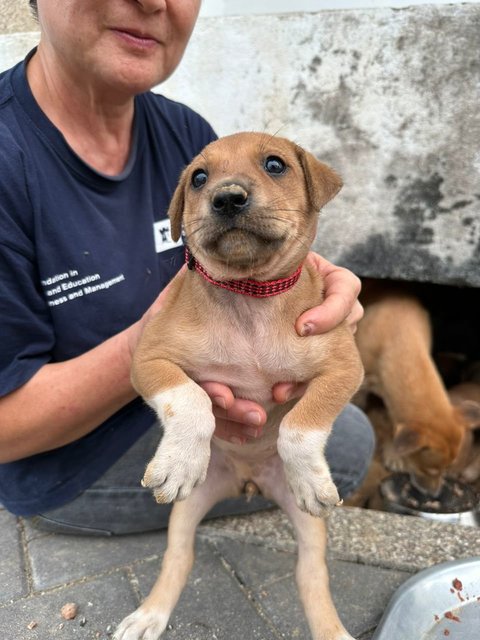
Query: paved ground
{"points": [[242, 586]]}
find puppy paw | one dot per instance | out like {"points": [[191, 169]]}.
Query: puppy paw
{"points": [[181, 460], [313, 489], [142, 625], [173, 473], [307, 471]]}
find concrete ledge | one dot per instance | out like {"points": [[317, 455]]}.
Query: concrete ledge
{"points": [[15, 15], [15, 46], [387, 540]]}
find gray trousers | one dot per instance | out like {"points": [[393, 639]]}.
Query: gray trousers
{"points": [[117, 504]]}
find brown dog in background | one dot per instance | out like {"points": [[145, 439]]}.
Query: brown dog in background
{"points": [[249, 206], [421, 430]]}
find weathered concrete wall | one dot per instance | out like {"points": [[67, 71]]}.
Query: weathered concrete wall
{"points": [[15, 16], [390, 98], [17, 32]]}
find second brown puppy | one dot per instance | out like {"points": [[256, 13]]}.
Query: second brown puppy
{"points": [[429, 434]]}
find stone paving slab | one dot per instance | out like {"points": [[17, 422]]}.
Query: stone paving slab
{"points": [[213, 606], [55, 561], [270, 577], [102, 603], [12, 577]]}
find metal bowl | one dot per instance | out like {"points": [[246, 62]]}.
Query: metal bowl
{"points": [[457, 503], [422, 607]]}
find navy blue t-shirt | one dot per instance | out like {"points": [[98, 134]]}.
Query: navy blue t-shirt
{"points": [[82, 256]]}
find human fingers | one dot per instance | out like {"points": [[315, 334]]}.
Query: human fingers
{"points": [[284, 391], [342, 288], [249, 414], [237, 419], [220, 394], [232, 431], [354, 317]]}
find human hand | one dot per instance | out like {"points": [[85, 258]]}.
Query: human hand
{"points": [[342, 288], [238, 420]]}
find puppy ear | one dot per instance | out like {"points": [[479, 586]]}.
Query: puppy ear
{"points": [[322, 181], [406, 440], [177, 205], [470, 411]]}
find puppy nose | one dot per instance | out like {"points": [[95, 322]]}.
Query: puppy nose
{"points": [[230, 200]]}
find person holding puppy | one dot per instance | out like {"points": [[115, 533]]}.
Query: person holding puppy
{"points": [[89, 159]]}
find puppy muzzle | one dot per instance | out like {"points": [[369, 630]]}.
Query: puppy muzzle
{"points": [[230, 201]]}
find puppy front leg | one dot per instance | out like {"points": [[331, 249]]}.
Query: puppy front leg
{"points": [[302, 438], [185, 412]]}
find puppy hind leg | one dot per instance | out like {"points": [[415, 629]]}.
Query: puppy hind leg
{"points": [[313, 581], [311, 572], [149, 621]]}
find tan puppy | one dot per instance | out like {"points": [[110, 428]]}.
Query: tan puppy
{"points": [[430, 432], [249, 205]]}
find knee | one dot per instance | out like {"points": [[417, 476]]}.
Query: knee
{"points": [[350, 449]]}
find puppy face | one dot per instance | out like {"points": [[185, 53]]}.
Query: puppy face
{"points": [[427, 451], [249, 205]]}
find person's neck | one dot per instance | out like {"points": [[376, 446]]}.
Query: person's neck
{"points": [[96, 125]]}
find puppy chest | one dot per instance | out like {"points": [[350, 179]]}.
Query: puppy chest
{"points": [[251, 365]]}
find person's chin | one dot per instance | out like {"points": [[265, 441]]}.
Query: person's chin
{"points": [[137, 76]]}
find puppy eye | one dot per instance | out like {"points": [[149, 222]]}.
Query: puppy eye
{"points": [[275, 165], [199, 178]]}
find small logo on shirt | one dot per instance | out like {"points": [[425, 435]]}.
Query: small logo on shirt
{"points": [[163, 237]]}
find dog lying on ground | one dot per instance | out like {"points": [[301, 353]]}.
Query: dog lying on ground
{"points": [[420, 430], [249, 206]]}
